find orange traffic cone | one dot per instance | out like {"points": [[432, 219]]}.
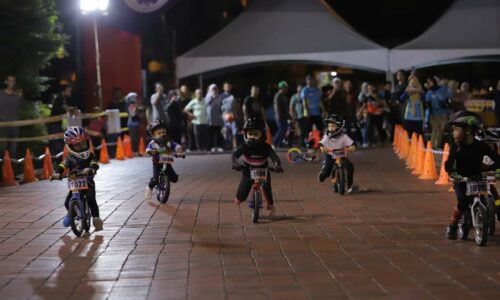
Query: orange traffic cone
{"points": [[103, 155], [413, 151], [29, 171], [398, 142], [406, 146], [420, 157], [120, 152], [142, 148], [395, 138], [8, 178], [429, 171], [269, 137], [443, 175], [48, 168], [128, 147]]}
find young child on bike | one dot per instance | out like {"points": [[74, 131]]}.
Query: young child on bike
{"points": [[335, 139], [255, 152], [465, 160], [160, 142], [80, 160]]}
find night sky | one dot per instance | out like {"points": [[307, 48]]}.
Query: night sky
{"points": [[387, 22]]}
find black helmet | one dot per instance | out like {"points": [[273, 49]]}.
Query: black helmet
{"points": [[465, 119], [154, 126], [254, 124], [337, 120]]}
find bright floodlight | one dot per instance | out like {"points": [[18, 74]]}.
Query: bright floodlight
{"points": [[87, 6], [333, 73]]}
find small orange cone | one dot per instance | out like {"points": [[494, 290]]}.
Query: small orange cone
{"points": [[398, 142], [103, 155], [405, 152], [48, 168], [269, 137], [395, 138], [413, 151], [120, 153], [444, 179], [29, 171], [419, 165], [8, 178], [142, 148], [429, 171], [128, 147]]}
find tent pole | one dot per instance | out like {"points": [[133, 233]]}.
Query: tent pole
{"points": [[388, 74]]}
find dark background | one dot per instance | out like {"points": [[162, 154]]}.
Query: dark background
{"points": [[183, 24]]}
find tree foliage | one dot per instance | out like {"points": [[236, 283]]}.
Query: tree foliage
{"points": [[30, 36]]}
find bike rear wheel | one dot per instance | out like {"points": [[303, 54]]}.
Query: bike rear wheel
{"points": [[491, 215], [257, 200], [76, 217], [294, 155], [163, 188], [481, 228]]}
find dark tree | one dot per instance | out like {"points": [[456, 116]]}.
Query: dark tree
{"points": [[30, 36]]}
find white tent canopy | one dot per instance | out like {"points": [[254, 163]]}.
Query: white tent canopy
{"points": [[284, 30], [469, 29]]}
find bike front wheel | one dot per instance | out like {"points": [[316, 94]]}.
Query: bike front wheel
{"points": [[257, 200], [341, 180], [294, 155], [163, 188], [77, 218], [481, 226]]}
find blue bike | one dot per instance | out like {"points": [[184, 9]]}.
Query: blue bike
{"points": [[78, 208]]}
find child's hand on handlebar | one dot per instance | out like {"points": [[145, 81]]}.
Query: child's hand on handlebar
{"points": [[88, 171], [55, 176], [236, 166], [455, 176]]}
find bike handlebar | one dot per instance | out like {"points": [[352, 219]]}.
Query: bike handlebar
{"points": [[74, 174]]}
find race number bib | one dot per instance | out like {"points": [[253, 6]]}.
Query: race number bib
{"points": [[258, 174], [474, 188], [339, 154], [78, 184], [166, 159]]}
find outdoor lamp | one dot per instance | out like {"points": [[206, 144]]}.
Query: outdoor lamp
{"points": [[89, 6]]}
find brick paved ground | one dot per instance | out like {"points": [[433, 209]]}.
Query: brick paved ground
{"points": [[384, 242]]}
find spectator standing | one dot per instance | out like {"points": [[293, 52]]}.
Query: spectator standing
{"points": [[61, 105], [455, 105], [252, 106], [375, 108], [10, 101], [281, 106], [497, 103], [297, 112], [214, 112], [133, 120], [231, 114], [437, 97], [414, 107], [184, 97], [158, 101], [196, 111], [175, 117], [337, 103], [350, 114], [314, 106]]}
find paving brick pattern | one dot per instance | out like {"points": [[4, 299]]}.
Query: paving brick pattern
{"points": [[386, 241]]}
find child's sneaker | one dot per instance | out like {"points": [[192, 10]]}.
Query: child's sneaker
{"points": [[86, 234], [97, 223], [350, 189], [451, 232], [270, 210], [66, 221], [148, 192], [321, 177]]}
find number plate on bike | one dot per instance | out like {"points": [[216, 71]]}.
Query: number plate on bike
{"points": [[258, 174], [78, 184], [474, 188], [166, 159], [339, 154]]}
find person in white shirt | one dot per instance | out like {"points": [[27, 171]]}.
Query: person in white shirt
{"points": [[335, 139]]}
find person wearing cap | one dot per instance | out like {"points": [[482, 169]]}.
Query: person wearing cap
{"points": [[281, 112], [311, 95], [437, 96]]}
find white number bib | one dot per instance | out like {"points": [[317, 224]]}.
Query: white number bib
{"points": [[474, 188], [339, 154], [166, 159], [78, 184], [258, 174]]}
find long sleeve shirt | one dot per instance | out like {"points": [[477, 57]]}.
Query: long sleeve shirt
{"points": [[467, 160]]}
